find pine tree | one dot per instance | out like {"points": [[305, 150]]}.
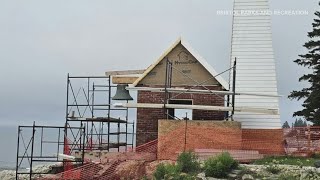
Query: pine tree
{"points": [[285, 125], [311, 60], [300, 123]]}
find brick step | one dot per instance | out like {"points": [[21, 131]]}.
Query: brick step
{"points": [[229, 151], [235, 157], [239, 155]]}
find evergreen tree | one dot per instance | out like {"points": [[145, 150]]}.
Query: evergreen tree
{"points": [[300, 123], [285, 125], [311, 60]]}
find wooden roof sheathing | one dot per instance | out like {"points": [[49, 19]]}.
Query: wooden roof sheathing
{"points": [[206, 70]]}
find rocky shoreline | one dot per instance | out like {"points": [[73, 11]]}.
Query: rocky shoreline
{"points": [[245, 172], [11, 174], [271, 172]]}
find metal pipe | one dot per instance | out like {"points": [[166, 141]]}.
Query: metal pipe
{"points": [[84, 134], [133, 134], [58, 143], [92, 77], [127, 114], [233, 87], [17, 160], [32, 146], [41, 141], [165, 91], [109, 101]]}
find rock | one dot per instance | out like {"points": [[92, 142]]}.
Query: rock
{"points": [[7, 175], [303, 175], [232, 175], [211, 178], [317, 164], [236, 171], [201, 176], [131, 169], [247, 177]]}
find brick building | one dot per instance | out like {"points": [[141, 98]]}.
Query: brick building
{"points": [[189, 69]]}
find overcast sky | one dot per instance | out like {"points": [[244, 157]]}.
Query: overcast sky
{"points": [[41, 41]]}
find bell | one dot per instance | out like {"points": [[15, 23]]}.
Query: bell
{"points": [[122, 93]]}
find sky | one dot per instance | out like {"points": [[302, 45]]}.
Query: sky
{"points": [[41, 41]]}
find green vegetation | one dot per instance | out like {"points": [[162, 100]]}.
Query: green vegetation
{"points": [[220, 166], [244, 171], [188, 162], [286, 125], [223, 165], [300, 123], [288, 177], [289, 160], [186, 168], [310, 94], [273, 168]]}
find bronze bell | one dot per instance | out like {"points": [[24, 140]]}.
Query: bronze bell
{"points": [[122, 93]]}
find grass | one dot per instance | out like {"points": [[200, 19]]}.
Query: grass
{"points": [[288, 160]]}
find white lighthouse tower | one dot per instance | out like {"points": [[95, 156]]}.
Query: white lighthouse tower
{"points": [[255, 70]]}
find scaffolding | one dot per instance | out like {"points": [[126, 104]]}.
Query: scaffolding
{"points": [[46, 144], [91, 102], [91, 124]]}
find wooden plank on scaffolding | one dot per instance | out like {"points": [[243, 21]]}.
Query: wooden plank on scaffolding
{"points": [[125, 72], [200, 107]]}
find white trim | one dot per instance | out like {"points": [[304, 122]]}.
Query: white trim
{"points": [[199, 107], [201, 60], [200, 91]]}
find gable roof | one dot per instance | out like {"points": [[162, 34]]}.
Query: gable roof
{"points": [[200, 59]]}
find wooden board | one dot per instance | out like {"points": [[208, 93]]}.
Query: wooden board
{"points": [[255, 110], [124, 79], [126, 72], [187, 70]]}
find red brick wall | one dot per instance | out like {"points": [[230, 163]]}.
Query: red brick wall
{"points": [[147, 118], [266, 141], [226, 135], [174, 137]]}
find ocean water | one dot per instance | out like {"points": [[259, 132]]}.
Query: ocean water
{"points": [[8, 146]]}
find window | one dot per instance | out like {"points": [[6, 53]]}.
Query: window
{"points": [[180, 113]]}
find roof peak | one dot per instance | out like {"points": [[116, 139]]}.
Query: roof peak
{"points": [[201, 60]]}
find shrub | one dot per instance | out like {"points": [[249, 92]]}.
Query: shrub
{"points": [[317, 164], [220, 166], [188, 162], [165, 170], [316, 155], [160, 172]]}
